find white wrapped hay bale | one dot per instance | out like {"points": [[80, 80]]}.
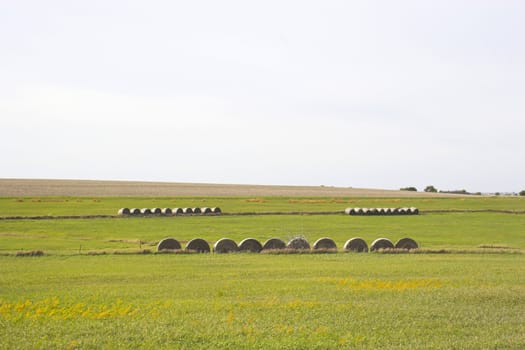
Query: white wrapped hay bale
{"points": [[124, 212], [206, 210], [414, 211], [350, 211], [166, 211], [177, 211], [156, 211]]}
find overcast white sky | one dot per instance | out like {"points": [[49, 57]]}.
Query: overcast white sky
{"points": [[378, 94]]}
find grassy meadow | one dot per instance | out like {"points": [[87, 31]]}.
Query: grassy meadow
{"points": [[432, 231], [57, 206], [264, 301], [70, 299]]}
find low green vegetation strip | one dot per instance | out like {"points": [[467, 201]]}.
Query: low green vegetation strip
{"points": [[51, 217], [79, 206], [57, 217], [431, 231], [246, 301]]}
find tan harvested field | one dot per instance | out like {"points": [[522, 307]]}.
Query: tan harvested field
{"points": [[30, 187]]}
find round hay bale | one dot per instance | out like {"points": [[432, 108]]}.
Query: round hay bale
{"points": [[177, 211], [381, 243], [358, 211], [274, 243], [156, 211], [166, 211], [216, 210], [398, 211], [145, 211], [250, 245], [325, 243], [385, 211], [350, 211], [298, 243], [414, 211], [225, 245], [124, 211], [389, 211], [206, 210], [373, 211], [134, 211], [187, 210], [197, 211], [198, 245], [168, 243], [406, 243], [357, 245]]}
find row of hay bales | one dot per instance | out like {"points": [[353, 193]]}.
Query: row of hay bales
{"points": [[226, 245], [168, 211], [382, 211]]}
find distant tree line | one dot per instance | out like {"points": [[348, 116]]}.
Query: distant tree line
{"points": [[432, 189], [462, 192]]}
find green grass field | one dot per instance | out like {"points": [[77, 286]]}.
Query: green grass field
{"points": [[433, 231], [264, 301], [25, 206], [69, 299]]}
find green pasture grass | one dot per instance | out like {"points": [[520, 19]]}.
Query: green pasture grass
{"points": [[432, 231], [70, 299], [248, 301], [25, 206]]}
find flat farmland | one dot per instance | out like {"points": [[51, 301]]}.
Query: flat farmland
{"points": [[431, 231], [72, 188], [95, 288], [247, 301], [462, 223], [86, 206]]}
